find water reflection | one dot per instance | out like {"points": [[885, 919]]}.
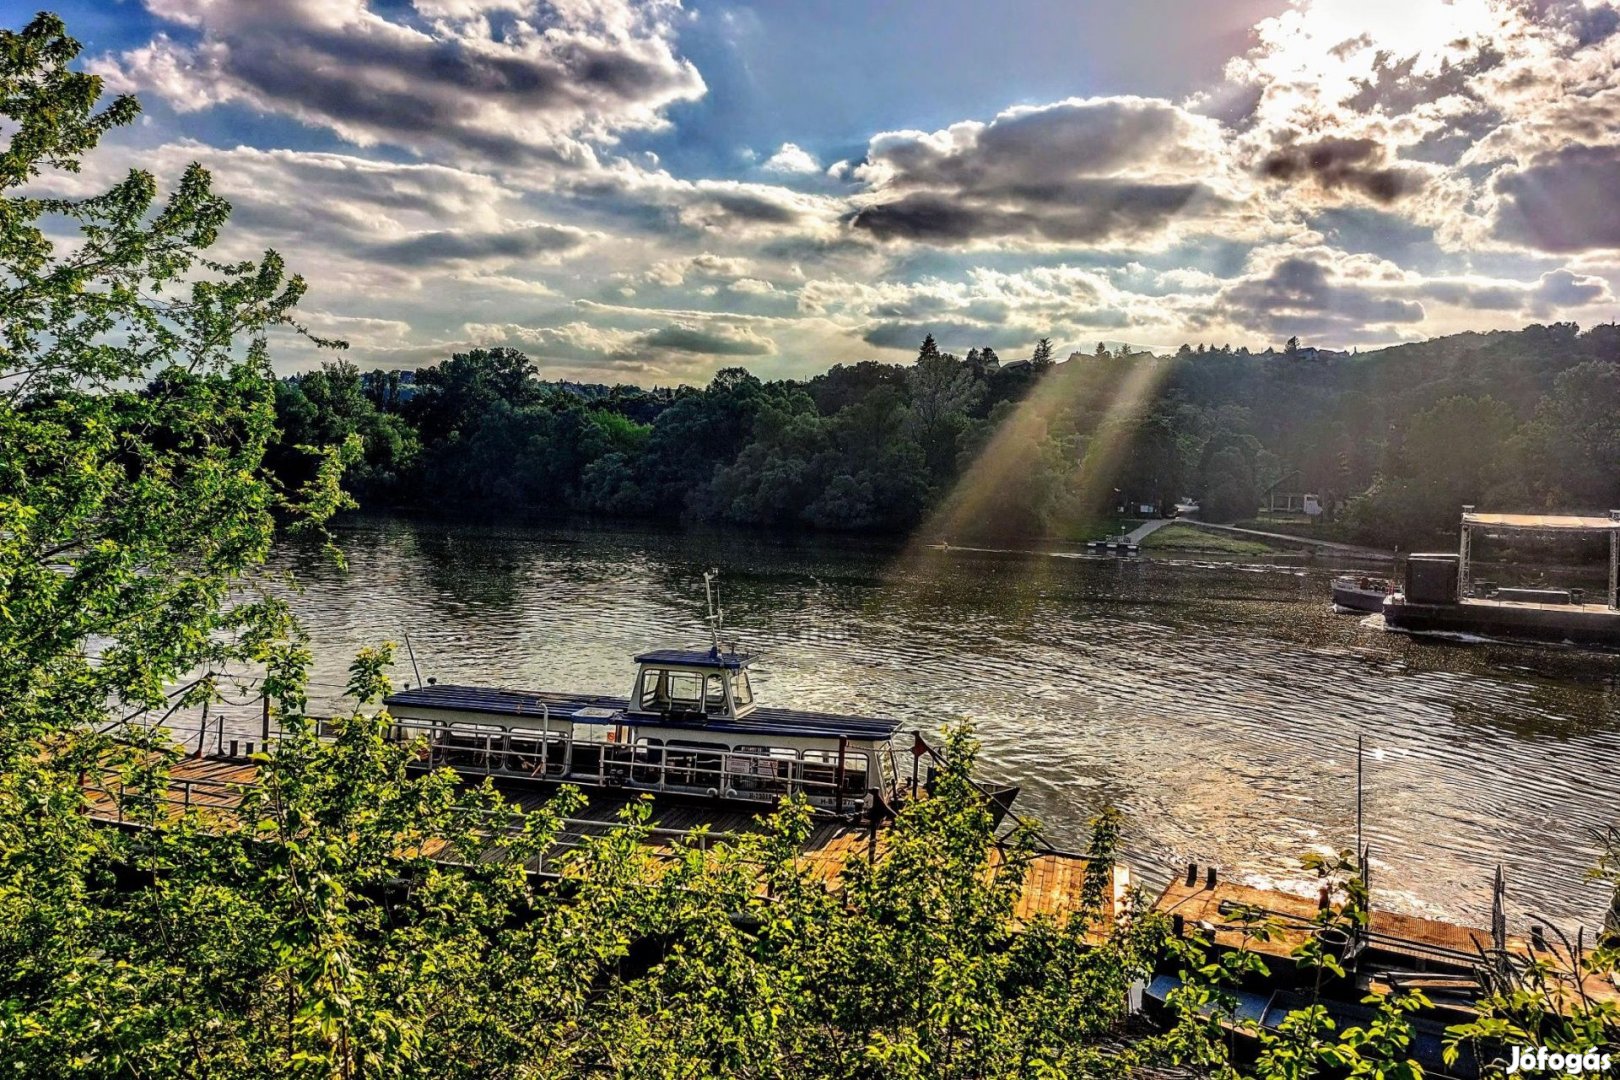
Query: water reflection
{"points": [[1217, 704]]}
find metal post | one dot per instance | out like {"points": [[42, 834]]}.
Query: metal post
{"points": [[1614, 561], [1359, 758], [1463, 555], [202, 732], [838, 798]]}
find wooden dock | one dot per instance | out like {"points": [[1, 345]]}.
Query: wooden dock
{"points": [[211, 787], [1421, 943]]}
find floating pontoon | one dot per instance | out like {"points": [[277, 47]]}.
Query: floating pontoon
{"points": [[1441, 596]]}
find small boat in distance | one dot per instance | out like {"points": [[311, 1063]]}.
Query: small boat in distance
{"points": [[689, 730], [1361, 593]]}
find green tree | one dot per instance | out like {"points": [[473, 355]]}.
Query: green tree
{"points": [[136, 411]]}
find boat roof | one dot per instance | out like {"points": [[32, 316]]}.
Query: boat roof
{"points": [[1544, 522], [590, 709], [704, 658]]}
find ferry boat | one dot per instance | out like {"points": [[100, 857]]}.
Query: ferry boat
{"points": [[690, 729]]}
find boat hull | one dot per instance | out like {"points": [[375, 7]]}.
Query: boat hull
{"points": [[1349, 594], [1580, 624]]}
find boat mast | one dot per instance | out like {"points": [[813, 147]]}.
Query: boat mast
{"points": [[716, 615]]}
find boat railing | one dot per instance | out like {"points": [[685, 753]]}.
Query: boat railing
{"points": [[533, 753]]}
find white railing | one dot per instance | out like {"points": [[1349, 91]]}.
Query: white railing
{"points": [[489, 750]]}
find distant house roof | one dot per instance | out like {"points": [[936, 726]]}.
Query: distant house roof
{"points": [[1544, 522], [706, 658]]}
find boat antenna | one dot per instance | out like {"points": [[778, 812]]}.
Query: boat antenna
{"points": [[412, 654], [716, 616]]}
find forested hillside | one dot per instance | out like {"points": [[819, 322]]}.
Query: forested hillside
{"points": [[1393, 440]]}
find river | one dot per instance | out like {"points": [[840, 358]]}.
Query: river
{"points": [[1217, 703]]}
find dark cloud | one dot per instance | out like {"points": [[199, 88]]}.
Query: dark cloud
{"points": [[746, 206], [1478, 297], [692, 340], [1333, 163], [951, 335], [524, 94], [1564, 201], [1077, 172], [1087, 211], [1299, 295], [1396, 86], [450, 245]]}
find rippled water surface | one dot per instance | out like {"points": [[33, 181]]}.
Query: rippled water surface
{"points": [[1217, 704]]}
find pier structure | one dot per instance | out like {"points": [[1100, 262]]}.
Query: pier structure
{"points": [[1543, 524], [1444, 958]]}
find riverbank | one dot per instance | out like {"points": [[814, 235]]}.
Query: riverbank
{"points": [[1181, 537]]}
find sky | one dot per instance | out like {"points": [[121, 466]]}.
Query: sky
{"points": [[647, 192]]}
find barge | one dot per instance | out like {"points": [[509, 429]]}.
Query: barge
{"points": [[1439, 595]]}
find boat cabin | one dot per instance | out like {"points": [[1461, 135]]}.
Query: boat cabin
{"points": [[690, 727]]}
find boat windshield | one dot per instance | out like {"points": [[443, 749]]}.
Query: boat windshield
{"points": [[741, 692], [669, 690]]}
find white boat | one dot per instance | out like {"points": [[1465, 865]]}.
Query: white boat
{"points": [[690, 728]]}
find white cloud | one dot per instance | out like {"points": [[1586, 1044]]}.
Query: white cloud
{"points": [[791, 158], [556, 81]]}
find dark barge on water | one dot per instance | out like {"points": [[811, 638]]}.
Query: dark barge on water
{"points": [[1440, 596]]}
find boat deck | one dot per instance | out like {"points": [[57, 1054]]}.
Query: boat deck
{"points": [[1403, 937], [212, 787]]}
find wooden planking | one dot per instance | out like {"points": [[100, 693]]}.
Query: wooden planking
{"points": [[1198, 903], [1052, 886]]}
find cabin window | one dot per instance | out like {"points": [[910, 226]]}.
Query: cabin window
{"points": [[741, 692], [762, 768], [685, 691], [666, 691], [715, 697], [693, 764], [472, 746], [527, 752], [821, 772], [649, 689], [647, 761]]}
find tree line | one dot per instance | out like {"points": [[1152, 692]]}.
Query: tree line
{"points": [[1391, 441]]}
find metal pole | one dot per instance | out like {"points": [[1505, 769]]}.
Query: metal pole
{"points": [[265, 723], [1463, 555], [838, 799], [412, 654], [1614, 561], [1359, 803]]}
